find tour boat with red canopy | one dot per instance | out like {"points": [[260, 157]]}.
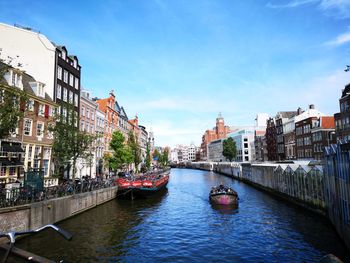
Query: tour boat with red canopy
{"points": [[144, 184]]}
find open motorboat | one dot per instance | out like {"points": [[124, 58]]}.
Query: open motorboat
{"points": [[223, 195]]}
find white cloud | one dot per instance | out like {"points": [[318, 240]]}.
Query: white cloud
{"points": [[294, 3], [340, 40], [335, 8]]}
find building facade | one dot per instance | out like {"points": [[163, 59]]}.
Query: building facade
{"points": [[342, 118], [271, 140]]}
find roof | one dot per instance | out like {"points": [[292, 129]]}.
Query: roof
{"points": [[327, 122], [346, 91], [286, 114], [26, 79]]}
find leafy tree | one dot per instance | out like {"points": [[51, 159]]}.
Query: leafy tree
{"points": [[135, 149], [69, 143], [148, 157], [156, 155], [12, 104], [116, 160], [229, 149], [165, 156]]}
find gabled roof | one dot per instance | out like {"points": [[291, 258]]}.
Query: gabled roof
{"points": [[123, 113]]}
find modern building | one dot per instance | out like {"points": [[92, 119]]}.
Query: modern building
{"points": [[245, 145], [342, 119], [215, 149]]}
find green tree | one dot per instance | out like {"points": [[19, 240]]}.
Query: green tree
{"points": [[116, 160], [165, 157], [69, 143], [12, 104], [156, 155], [135, 149], [229, 149], [148, 157]]}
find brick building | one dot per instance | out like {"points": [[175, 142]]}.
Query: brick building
{"points": [[271, 139], [342, 119], [31, 140], [220, 131]]}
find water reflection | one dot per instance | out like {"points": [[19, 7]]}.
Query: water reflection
{"points": [[180, 225]]}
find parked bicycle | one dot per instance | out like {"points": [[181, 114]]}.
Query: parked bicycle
{"points": [[12, 237]]}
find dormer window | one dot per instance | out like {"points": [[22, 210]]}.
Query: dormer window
{"points": [[64, 54], [38, 88], [14, 78]]}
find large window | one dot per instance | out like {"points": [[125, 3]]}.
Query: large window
{"points": [[41, 111], [27, 129], [40, 129], [70, 97], [59, 72], [71, 80], [65, 94], [76, 83], [59, 91], [76, 100], [65, 76]]}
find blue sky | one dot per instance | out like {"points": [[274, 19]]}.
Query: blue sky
{"points": [[178, 63]]}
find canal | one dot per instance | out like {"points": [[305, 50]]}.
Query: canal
{"points": [[180, 225]]}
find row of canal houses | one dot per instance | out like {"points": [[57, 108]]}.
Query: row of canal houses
{"points": [[51, 78]]}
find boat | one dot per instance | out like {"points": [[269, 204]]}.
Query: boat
{"points": [[222, 195], [143, 185]]}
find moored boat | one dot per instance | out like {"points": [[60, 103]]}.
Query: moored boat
{"points": [[223, 195], [144, 184]]}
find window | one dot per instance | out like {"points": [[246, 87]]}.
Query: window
{"points": [[88, 113], [40, 129], [71, 80], [41, 111], [76, 83], [64, 54], [12, 171], [65, 76], [30, 105], [70, 97], [76, 100], [59, 72], [27, 129], [92, 116], [82, 125], [59, 91], [82, 111], [3, 171], [65, 94]]}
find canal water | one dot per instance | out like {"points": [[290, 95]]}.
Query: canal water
{"points": [[180, 225]]}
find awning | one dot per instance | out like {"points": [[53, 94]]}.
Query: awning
{"points": [[11, 147]]}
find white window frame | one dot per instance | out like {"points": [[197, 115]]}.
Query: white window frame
{"points": [[65, 76], [71, 80], [41, 110], [65, 94], [76, 104], [76, 84], [71, 97], [40, 133], [59, 91], [30, 127], [59, 72]]}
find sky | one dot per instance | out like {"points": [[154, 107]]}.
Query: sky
{"points": [[177, 64]]}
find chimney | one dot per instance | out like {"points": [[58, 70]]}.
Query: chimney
{"points": [[299, 111], [311, 106]]}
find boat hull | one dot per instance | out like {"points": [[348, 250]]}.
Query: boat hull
{"points": [[224, 199]]}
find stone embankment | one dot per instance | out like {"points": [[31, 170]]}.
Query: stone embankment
{"points": [[299, 184], [35, 215]]}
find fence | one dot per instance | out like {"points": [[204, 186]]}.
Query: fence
{"points": [[26, 195]]}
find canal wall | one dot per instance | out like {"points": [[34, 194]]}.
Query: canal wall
{"points": [[299, 184], [35, 215]]}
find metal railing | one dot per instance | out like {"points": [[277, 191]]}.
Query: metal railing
{"points": [[27, 195]]}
